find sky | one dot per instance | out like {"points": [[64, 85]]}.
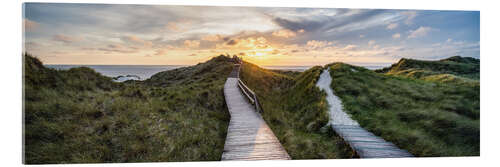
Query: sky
{"points": [[110, 34]]}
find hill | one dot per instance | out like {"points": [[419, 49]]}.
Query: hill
{"points": [[80, 116], [296, 110], [201, 73], [452, 69], [427, 118]]}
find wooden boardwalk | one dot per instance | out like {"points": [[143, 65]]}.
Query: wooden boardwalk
{"points": [[367, 145], [248, 136]]}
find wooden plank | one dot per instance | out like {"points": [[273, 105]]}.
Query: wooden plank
{"points": [[248, 136], [235, 72], [367, 145]]}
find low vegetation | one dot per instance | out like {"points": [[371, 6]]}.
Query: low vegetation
{"points": [[80, 116], [454, 67], [428, 117], [430, 108], [296, 111]]}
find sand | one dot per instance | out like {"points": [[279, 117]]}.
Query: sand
{"points": [[337, 114]]}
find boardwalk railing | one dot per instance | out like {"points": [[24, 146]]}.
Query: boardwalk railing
{"points": [[248, 136], [250, 96]]}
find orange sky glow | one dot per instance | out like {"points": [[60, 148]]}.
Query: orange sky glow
{"points": [[97, 34]]}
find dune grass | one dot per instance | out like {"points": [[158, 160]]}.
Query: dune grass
{"points": [[460, 67], [296, 111], [80, 116], [425, 117]]}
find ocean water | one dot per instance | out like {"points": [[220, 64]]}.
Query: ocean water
{"points": [[304, 68], [374, 67], [129, 72], [288, 68]]}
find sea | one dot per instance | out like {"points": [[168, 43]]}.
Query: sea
{"points": [[122, 73], [304, 68]]}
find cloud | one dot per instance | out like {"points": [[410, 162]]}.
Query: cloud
{"points": [[192, 54], [276, 51], [30, 46], [58, 52], [449, 40], [160, 52], [87, 48], [232, 42], [136, 40], [285, 33], [359, 20], [172, 27], [396, 36], [420, 32], [148, 29], [30, 25], [392, 26], [64, 38], [192, 43], [212, 38], [331, 21], [251, 46], [410, 15], [306, 25], [117, 48], [178, 26], [314, 44], [350, 47], [443, 50], [371, 42]]}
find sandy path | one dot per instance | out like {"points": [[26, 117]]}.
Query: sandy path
{"points": [[365, 143], [337, 114]]}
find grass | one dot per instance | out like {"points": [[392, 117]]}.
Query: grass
{"points": [[425, 117], [430, 108], [296, 111], [463, 67], [80, 116]]}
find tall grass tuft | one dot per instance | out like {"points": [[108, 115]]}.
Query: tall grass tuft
{"points": [[80, 116]]}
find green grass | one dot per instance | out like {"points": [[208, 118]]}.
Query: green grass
{"points": [[433, 76], [461, 67], [296, 111], [430, 108], [80, 116], [425, 117]]}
